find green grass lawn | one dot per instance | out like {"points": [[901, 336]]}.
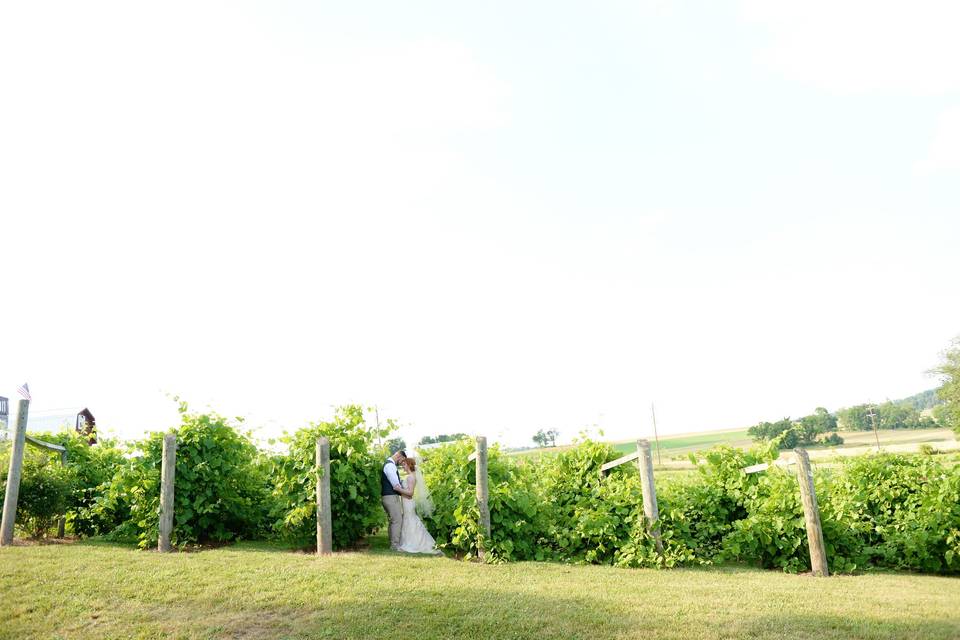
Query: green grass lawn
{"points": [[674, 445], [95, 590], [669, 445]]}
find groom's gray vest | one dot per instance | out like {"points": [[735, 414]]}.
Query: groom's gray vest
{"points": [[386, 486]]}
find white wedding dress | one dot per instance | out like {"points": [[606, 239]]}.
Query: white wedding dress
{"points": [[414, 537]]}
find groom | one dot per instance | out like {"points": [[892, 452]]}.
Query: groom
{"points": [[390, 496]]}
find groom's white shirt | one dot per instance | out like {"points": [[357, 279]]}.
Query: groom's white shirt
{"points": [[390, 470]]}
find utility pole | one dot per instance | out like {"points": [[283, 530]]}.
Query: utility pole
{"points": [[653, 414], [873, 417], [376, 412]]}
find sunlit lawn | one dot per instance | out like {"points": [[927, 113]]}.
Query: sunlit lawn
{"points": [[674, 445], [92, 590], [670, 446]]}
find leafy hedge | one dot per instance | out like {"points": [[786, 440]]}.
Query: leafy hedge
{"points": [[221, 491], [45, 490], [354, 482], [91, 469], [559, 508], [900, 512], [48, 490], [516, 519], [890, 511], [225, 489]]}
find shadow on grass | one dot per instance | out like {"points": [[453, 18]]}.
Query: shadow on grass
{"points": [[374, 544], [237, 545], [814, 625], [509, 611]]}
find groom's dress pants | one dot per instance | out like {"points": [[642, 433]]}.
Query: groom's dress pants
{"points": [[391, 504]]}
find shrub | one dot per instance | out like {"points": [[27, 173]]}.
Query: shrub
{"points": [[586, 515], [906, 509], [45, 489], [515, 504], [597, 518], [773, 534], [832, 440], [221, 485], [92, 467], [695, 516], [354, 482]]}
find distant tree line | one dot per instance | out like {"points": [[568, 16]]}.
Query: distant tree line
{"points": [[924, 400], [820, 427], [888, 415], [925, 410], [443, 437]]}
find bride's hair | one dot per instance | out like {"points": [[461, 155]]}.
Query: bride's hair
{"points": [[411, 464]]}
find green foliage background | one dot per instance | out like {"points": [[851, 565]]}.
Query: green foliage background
{"points": [[891, 511], [91, 469], [45, 490], [355, 465], [221, 491], [888, 511]]}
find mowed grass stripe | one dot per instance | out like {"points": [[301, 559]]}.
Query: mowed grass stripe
{"points": [[738, 438], [93, 590], [676, 446]]}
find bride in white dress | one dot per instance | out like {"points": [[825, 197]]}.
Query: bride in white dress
{"points": [[414, 537]]}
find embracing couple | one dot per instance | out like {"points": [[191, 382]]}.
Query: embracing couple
{"points": [[401, 500]]}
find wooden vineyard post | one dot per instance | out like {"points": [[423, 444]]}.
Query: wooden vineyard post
{"points": [[324, 513], [483, 493], [13, 476], [650, 509], [168, 468], [62, 522], [811, 513]]}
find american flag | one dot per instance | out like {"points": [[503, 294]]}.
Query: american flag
{"points": [[24, 390]]}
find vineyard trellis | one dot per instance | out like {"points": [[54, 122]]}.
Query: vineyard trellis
{"points": [[168, 472], [324, 507], [540, 508], [651, 509], [811, 511], [13, 476], [642, 455]]}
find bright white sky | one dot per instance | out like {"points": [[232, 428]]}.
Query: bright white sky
{"points": [[486, 217]]}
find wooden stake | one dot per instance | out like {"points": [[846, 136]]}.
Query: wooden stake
{"points": [[13, 476], [483, 494], [873, 417], [62, 523], [650, 509], [168, 469], [324, 513], [811, 513]]}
